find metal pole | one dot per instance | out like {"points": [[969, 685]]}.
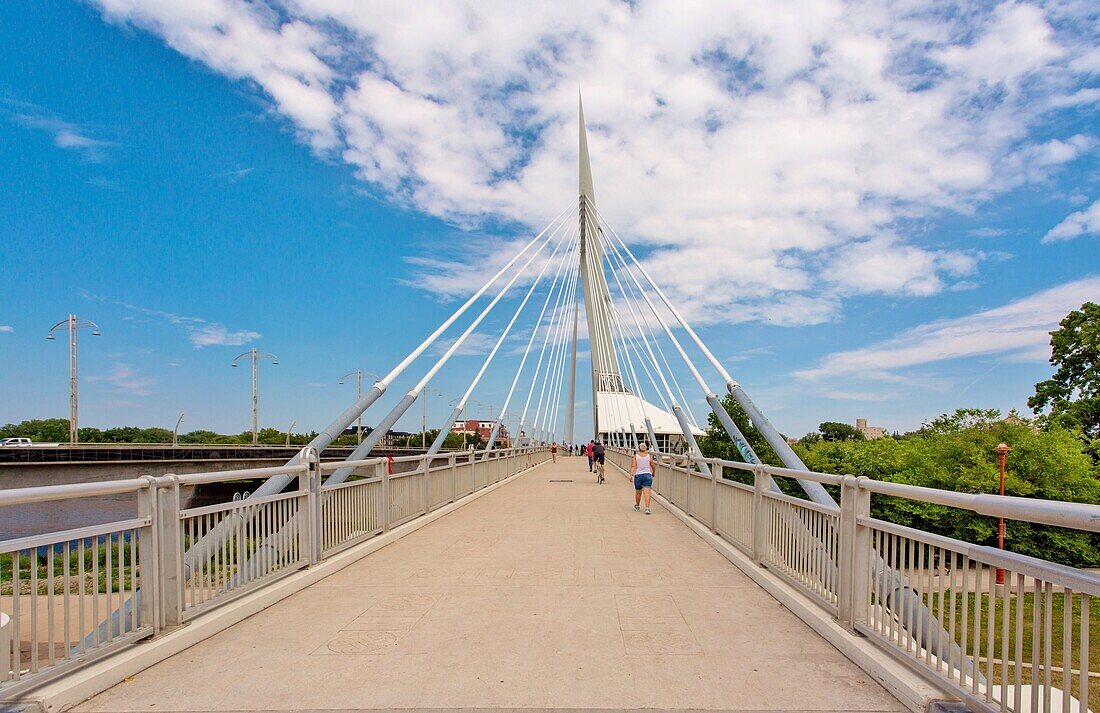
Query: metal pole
{"points": [[572, 376], [255, 403], [424, 421], [176, 430], [289, 430], [74, 435], [1002, 452], [359, 397], [256, 356], [73, 323]]}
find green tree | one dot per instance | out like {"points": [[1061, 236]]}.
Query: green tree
{"points": [[963, 419], [716, 443], [48, 430], [834, 431], [1071, 397], [949, 456]]}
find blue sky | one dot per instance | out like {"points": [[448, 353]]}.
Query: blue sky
{"points": [[880, 219]]}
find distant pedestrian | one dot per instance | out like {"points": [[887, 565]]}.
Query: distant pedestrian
{"points": [[598, 460], [588, 451], [554, 451], [641, 472]]}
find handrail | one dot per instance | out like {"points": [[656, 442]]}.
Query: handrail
{"points": [[47, 493], [1077, 516]]}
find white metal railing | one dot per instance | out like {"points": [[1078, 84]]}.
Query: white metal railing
{"points": [[69, 597], [932, 602]]}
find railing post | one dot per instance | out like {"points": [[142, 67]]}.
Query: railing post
{"points": [[382, 470], [688, 477], [855, 548], [171, 551], [452, 461], [310, 527], [426, 491], [148, 558], [759, 521], [473, 471], [715, 476]]}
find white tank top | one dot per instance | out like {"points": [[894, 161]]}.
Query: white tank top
{"points": [[645, 464]]}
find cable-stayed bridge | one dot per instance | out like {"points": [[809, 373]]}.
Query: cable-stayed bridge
{"points": [[507, 578]]}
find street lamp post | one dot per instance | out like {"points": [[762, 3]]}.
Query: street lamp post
{"points": [[358, 373], [1002, 452], [176, 430], [289, 431], [73, 323], [424, 416], [463, 417], [256, 356]]}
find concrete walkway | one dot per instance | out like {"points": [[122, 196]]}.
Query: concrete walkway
{"points": [[542, 594]]}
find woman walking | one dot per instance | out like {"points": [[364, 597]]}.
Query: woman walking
{"points": [[641, 471]]}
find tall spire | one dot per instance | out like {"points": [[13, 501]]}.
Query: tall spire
{"points": [[586, 163], [606, 376]]}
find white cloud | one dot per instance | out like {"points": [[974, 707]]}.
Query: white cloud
{"points": [[1085, 222], [66, 134], [477, 344], [869, 396], [215, 335], [752, 147], [6, 328], [1019, 330], [200, 332], [125, 380]]}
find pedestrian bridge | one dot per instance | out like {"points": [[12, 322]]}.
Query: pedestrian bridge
{"points": [[497, 580], [548, 592], [506, 580]]}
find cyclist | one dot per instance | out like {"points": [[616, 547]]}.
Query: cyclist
{"points": [[598, 459], [641, 472]]}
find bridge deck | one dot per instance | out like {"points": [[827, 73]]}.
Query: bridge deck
{"points": [[539, 595]]}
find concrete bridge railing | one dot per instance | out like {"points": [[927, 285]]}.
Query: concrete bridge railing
{"points": [[1021, 625], [74, 596]]}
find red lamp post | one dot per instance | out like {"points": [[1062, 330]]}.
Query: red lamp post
{"points": [[1002, 451]]}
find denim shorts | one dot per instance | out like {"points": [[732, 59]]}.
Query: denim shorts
{"points": [[643, 480]]}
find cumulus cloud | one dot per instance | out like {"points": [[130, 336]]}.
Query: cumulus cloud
{"points": [[1085, 222], [1019, 330], [6, 328], [748, 147]]}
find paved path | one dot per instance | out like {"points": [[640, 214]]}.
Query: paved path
{"points": [[542, 594]]}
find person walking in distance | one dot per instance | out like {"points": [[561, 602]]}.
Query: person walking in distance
{"points": [[554, 451], [598, 460], [641, 472], [588, 448]]}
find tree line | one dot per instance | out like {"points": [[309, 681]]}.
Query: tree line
{"points": [[56, 430]]}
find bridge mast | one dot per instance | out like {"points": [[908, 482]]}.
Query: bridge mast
{"points": [[597, 297]]}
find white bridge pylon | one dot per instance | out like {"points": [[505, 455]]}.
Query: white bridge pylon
{"points": [[632, 327]]}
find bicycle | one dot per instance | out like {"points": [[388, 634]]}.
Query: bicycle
{"points": [[599, 472]]}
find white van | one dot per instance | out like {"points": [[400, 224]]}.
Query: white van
{"points": [[15, 442]]}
